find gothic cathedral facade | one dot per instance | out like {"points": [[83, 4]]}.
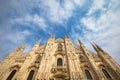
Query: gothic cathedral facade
{"points": [[59, 59]]}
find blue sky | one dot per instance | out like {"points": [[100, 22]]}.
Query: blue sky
{"points": [[26, 21]]}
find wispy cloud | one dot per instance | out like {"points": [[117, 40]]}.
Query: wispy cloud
{"points": [[60, 11], [98, 5], [104, 29], [25, 21]]}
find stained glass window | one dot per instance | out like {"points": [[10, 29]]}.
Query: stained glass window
{"points": [[59, 62], [31, 74], [89, 77], [11, 75]]}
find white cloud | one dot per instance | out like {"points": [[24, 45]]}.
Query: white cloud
{"points": [[59, 12], [40, 22], [103, 30], [18, 37], [97, 5], [79, 2], [37, 20], [10, 42]]}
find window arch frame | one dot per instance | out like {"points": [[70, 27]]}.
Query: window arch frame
{"points": [[88, 74], [102, 66], [13, 68], [32, 67], [12, 74], [106, 74], [59, 62], [31, 74]]}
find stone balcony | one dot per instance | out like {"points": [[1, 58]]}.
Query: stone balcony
{"points": [[59, 73], [20, 59], [59, 52], [59, 69]]}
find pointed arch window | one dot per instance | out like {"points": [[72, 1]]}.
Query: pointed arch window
{"points": [[11, 75], [59, 62], [88, 75], [106, 74], [31, 74]]}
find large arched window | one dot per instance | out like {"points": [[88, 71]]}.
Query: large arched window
{"points": [[106, 74], [88, 75], [59, 62], [31, 74], [11, 75]]}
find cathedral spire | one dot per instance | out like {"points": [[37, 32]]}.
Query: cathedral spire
{"points": [[59, 59], [82, 45], [100, 49], [18, 51], [37, 44], [80, 42], [66, 36], [52, 36], [21, 48], [95, 48]]}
